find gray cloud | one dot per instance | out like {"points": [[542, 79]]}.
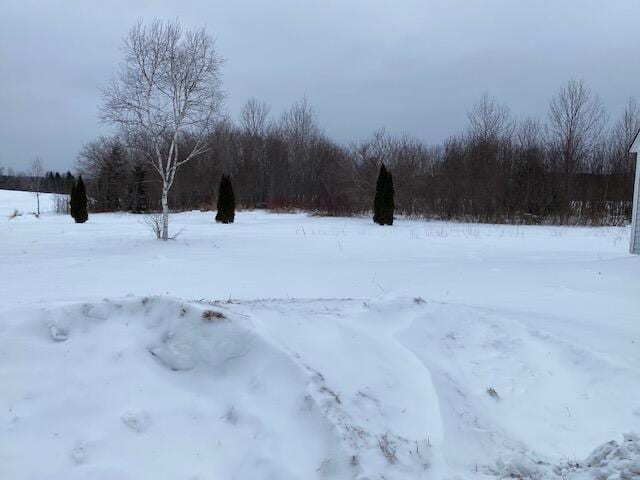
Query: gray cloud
{"points": [[412, 66]]}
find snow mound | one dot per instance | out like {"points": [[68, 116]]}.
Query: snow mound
{"points": [[375, 392], [610, 461], [160, 388], [157, 388], [396, 388]]}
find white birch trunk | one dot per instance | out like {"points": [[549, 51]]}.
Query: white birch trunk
{"points": [[165, 211]]}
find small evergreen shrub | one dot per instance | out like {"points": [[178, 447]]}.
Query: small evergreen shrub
{"points": [[383, 202], [226, 201], [78, 202]]}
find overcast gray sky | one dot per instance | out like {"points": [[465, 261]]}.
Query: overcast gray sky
{"points": [[411, 66]]}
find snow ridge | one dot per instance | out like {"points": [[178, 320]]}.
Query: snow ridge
{"points": [[611, 461], [391, 389]]}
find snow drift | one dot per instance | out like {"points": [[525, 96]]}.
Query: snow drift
{"points": [[398, 388], [156, 388], [159, 388], [610, 461]]}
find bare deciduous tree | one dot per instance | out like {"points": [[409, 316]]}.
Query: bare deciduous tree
{"points": [[300, 124], [490, 130], [489, 120], [105, 166], [529, 133], [299, 127], [36, 171], [625, 130], [61, 203], [576, 120], [168, 89], [253, 117], [576, 123]]}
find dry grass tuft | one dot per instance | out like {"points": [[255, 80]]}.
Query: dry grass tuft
{"points": [[212, 316]]}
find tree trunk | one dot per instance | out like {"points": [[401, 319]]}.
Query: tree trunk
{"points": [[165, 212]]}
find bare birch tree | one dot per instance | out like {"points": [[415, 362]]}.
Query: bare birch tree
{"points": [[168, 89], [36, 171]]}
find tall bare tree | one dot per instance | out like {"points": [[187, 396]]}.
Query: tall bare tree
{"points": [[253, 117], [624, 132], [299, 127], [489, 120], [576, 124], [490, 130], [168, 89], [36, 172], [299, 123]]}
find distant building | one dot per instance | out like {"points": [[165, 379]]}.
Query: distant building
{"points": [[635, 215]]}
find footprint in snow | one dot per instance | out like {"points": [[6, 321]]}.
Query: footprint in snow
{"points": [[58, 334], [79, 453], [138, 422]]}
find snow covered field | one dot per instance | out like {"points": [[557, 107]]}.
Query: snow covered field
{"points": [[296, 347]]}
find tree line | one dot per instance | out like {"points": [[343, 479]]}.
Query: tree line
{"points": [[574, 168], [48, 182], [165, 101]]}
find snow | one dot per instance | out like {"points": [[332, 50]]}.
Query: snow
{"points": [[611, 461], [289, 346]]}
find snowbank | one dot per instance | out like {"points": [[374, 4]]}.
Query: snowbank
{"points": [[155, 388], [610, 461], [397, 388], [159, 388]]}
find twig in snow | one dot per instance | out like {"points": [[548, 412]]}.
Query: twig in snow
{"points": [[332, 393], [387, 448], [324, 463], [492, 393]]}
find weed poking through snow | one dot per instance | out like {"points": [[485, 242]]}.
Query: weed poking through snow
{"points": [[212, 316]]}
